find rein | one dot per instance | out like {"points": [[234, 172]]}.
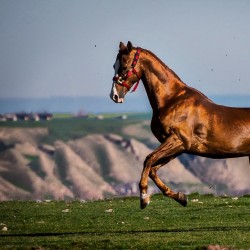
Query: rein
{"points": [[121, 80]]}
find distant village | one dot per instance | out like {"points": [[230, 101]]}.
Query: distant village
{"points": [[26, 116], [23, 116]]}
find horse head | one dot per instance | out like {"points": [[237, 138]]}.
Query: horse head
{"points": [[125, 73]]}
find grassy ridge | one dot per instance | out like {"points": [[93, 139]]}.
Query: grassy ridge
{"points": [[65, 127], [120, 224]]}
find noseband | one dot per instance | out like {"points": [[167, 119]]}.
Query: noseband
{"points": [[121, 80]]}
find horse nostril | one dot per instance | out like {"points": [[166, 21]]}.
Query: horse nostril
{"points": [[116, 97]]}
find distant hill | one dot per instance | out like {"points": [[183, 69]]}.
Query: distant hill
{"points": [[103, 165], [133, 103], [92, 167]]}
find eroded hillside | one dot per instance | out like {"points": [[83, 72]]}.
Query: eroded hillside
{"points": [[97, 165]]}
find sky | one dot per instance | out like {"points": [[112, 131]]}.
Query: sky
{"points": [[68, 47]]}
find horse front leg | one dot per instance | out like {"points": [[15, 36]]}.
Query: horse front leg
{"points": [[167, 151]]}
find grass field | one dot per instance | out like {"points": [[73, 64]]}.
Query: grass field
{"points": [[120, 224]]}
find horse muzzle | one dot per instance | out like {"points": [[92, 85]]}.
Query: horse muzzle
{"points": [[117, 93], [115, 97]]}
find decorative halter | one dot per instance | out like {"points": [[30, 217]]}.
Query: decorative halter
{"points": [[121, 80]]}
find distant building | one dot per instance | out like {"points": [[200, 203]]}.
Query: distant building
{"points": [[82, 114], [122, 117], [2, 118], [11, 117], [99, 117], [26, 117], [23, 116], [45, 116], [34, 117]]}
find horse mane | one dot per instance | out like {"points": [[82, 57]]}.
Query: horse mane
{"points": [[158, 59]]}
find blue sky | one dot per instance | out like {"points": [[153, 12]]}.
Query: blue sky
{"points": [[67, 47]]}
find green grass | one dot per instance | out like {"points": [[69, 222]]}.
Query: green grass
{"points": [[120, 224]]}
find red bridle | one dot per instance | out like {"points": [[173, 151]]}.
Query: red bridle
{"points": [[121, 80]]}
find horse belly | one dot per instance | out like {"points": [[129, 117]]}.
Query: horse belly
{"points": [[222, 147], [229, 132], [233, 140]]}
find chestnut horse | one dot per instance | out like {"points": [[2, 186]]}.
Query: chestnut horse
{"points": [[184, 120]]}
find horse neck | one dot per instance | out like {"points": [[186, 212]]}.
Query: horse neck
{"points": [[160, 82]]}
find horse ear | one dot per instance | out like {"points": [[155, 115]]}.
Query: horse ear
{"points": [[129, 46], [122, 46]]}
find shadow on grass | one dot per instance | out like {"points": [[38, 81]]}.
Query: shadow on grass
{"points": [[202, 229]]}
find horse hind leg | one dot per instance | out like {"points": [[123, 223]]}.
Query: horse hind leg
{"points": [[179, 197], [162, 155]]}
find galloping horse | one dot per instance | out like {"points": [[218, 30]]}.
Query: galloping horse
{"points": [[184, 120]]}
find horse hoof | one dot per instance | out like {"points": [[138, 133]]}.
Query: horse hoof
{"points": [[182, 199], [144, 201]]}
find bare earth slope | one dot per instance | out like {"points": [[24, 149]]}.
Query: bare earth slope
{"points": [[101, 165], [223, 176]]}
